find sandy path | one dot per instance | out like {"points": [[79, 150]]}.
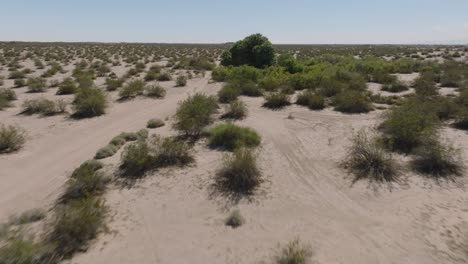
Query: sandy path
{"points": [[33, 177], [172, 218]]}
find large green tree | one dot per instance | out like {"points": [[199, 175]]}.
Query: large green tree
{"points": [[255, 50]]}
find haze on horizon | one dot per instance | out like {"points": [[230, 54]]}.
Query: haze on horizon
{"points": [[210, 21]]}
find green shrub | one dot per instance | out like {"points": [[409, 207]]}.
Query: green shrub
{"points": [[86, 182], [164, 76], [276, 100], [195, 113], [132, 89], [409, 125], [16, 75], [236, 110], [395, 87], [7, 94], [434, 158], [22, 251], [181, 80], [89, 102], [367, 159], [228, 93], [235, 219], [67, 87], [240, 173], [255, 50], [310, 99], [36, 85], [154, 123], [155, 91], [229, 136], [250, 88], [75, 224], [136, 159], [12, 138], [169, 152], [113, 84], [294, 253], [350, 101], [19, 83], [106, 151]]}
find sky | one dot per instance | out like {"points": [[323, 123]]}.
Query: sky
{"points": [[218, 21]]}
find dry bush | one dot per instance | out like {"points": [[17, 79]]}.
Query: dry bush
{"points": [[294, 253], [235, 219], [12, 138]]}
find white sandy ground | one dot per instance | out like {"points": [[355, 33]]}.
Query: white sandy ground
{"points": [[173, 216]]}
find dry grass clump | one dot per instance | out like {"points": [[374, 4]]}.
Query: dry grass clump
{"points": [[6, 96], [67, 86], [28, 217], [181, 80], [132, 89], [366, 158], [155, 123], [12, 138], [155, 91], [44, 106], [438, 160], [142, 156], [236, 110], [114, 84], [75, 224], [276, 100], [235, 219], [36, 85], [294, 253], [239, 173]]}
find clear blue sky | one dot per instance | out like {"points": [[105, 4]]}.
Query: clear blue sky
{"points": [[214, 21]]}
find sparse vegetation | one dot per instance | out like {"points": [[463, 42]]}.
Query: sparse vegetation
{"points": [[235, 219], [294, 253], [366, 159], [181, 80], [155, 123], [240, 173], [44, 106], [12, 138], [155, 91], [438, 160]]}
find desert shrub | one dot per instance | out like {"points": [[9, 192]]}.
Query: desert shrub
{"points": [[139, 157], [36, 85], [68, 86], [228, 93], [89, 102], [132, 89], [194, 113], [43, 106], [106, 151], [229, 136], [255, 50], [169, 152], [310, 99], [12, 138], [239, 173], [164, 76], [113, 84], [54, 83], [409, 125], [366, 158], [17, 75], [154, 123], [350, 101], [220, 74], [28, 217], [7, 94], [181, 80], [152, 75], [276, 100], [439, 160], [235, 219], [330, 87], [425, 86], [236, 110], [86, 181], [136, 159], [75, 224], [19, 250], [294, 253], [19, 83], [395, 87], [250, 88], [155, 91]]}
